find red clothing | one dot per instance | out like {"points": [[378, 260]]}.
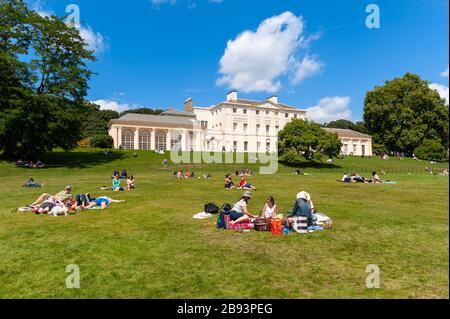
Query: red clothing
{"points": [[242, 183]]}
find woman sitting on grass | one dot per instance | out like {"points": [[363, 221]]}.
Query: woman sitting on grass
{"points": [[117, 184], [103, 202], [376, 179], [229, 182], [270, 209], [130, 183], [243, 184], [239, 213]]}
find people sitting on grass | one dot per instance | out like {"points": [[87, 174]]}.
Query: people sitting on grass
{"points": [[30, 164], [31, 184], [64, 196], [179, 174], [207, 176], [243, 184], [124, 174], [117, 184], [375, 178], [229, 182], [240, 213], [189, 174], [444, 172], [115, 173], [102, 202], [303, 207], [270, 209], [356, 178], [130, 183]]}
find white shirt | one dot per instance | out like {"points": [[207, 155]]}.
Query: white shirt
{"points": [[270, 212], [240, 206]]}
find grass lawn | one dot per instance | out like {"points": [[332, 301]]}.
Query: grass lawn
{"points": [[151, 247]]}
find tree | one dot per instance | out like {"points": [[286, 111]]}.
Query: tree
{"points": [[302, 141], [404, 112], [143, 111], [346, 124], [95, 121], [102, 141], [430, 150], [44, 81]]}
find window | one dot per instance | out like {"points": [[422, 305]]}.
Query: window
{"points": [[245, 146], [244, 111], [234, 127], [144, 140], [258, 128], [286, 115], [295, 116], [267, 112], [128, 139], [204, 123], [276, 113], [235, 146], [363, 150], [161, 139], [354, 148], [277, 128], [234, 110], [345, 149], [267, 129], [245, 128], [268, 147], [257, 112]]}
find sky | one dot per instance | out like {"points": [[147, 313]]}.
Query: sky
{"points": [[318, 55]]}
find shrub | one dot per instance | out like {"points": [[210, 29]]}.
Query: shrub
{"points": [[102, 141], [430, 150]]}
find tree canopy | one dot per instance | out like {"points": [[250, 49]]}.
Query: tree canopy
{"points": [[346, 124], [404, 112], [44, 81], [301, 141]]}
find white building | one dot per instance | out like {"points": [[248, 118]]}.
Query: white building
{"points": [[234, 125], [353, 143]]}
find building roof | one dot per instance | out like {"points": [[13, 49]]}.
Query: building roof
{"points": [[155, 120], [255, 104], [347, 133], [172, 112]]}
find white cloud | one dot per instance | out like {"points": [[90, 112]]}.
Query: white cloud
{"points": [[306, 68], [329, 109], [112, 105], [38, 7], [94, 40], [442, 90], [255, 61], [445, 73]]}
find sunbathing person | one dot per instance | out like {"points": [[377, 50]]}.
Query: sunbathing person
{"points": [[243, 184], [82, 201], [229, 182], [31, 184], [65, 196], [356, 178], [270, 209], [48, 205], [346, 178], [103, 202], [376, 179], [239, 213]]}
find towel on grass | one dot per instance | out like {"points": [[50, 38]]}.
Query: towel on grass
{"points": [[202, 215]]}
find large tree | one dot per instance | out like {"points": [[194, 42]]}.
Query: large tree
{"points": [[302, 141], [44, 81], [404, 112], [346, 124]]}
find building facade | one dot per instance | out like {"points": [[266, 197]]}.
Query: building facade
{"points": [[232, 125], [353, 143]]}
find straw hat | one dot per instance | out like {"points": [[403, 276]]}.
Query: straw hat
{"points": [[248, 194], [304, 195]]}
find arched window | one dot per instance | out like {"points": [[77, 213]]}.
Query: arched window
{"points": [[161, 141], [144, 140], [128, 139]]}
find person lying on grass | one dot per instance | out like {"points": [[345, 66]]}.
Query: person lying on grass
{"points": [[376, 179], [64, 196], [103, 202], [81, 201], [270, 209], [239, 213], [48, 205], [243, 184]]}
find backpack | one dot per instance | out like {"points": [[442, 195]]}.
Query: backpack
{"points": [[226, 208], [221, 224], [211, 208]]}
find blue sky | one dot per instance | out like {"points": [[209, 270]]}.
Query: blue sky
{"points": [[314, 54]]}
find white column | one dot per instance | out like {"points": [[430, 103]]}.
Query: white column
{"points": [[169, 141], [119, 137], [153, 140], [183, 141], [136, 139]]}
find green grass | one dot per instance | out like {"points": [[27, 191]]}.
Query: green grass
{"points": [[151, 247]]}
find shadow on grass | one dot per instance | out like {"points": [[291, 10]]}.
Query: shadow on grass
{"points": [[80, 159], [312, 164]]}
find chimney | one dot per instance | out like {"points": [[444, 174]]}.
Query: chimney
{"points": [[188, 105], [273, 99], [232, 96]]}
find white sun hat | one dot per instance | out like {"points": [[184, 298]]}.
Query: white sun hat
{"points": [[304, 195]]}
